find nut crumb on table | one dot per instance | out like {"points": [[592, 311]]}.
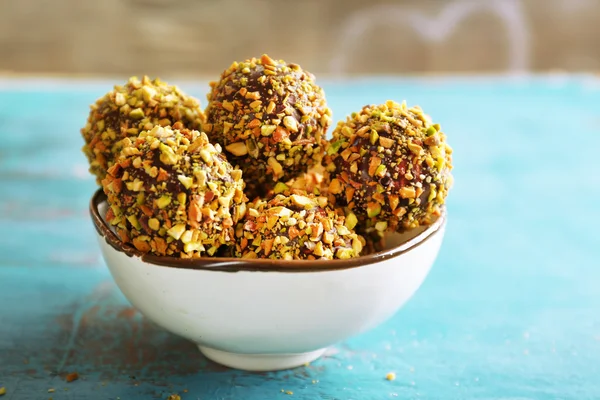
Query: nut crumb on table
{"points": [[174, 396], [390, 376], [2, 391], [72, 377]]}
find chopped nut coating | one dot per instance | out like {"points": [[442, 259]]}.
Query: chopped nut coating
{"points": [[296, 226], [129, 109], [390, 166], [171, 192], [271, 119]]}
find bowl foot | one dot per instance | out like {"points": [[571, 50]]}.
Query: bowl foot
{"points": [[260, 362]]}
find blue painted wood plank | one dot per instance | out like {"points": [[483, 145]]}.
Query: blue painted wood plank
{"points": [[509, 311]]}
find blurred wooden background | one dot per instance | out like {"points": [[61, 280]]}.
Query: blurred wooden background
{"points": [[201, 37]]}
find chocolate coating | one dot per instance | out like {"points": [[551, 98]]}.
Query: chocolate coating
{"points": [[390, 166], [374, 240], [296, 226], [271, 119], [127, 110], [173, 193]]}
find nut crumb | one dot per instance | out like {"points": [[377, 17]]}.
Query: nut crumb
{"points": [[390, 376], [51, 390], [2, 391], [174, 396], [73, 376]]}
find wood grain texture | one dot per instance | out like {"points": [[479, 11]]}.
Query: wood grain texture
{"points": [[176, 37], [509, 311]]}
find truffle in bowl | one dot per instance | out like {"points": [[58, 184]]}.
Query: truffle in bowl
{"points": [[264, 314]]}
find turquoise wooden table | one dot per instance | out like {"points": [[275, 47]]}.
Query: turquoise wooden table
{"points": [[511, 309]]}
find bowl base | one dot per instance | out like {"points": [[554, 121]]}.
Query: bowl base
{"points": [[260, 362]]}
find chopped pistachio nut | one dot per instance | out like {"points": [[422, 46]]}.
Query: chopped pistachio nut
{"points": [[277, 110], [129, 109], [237, 149], [389, 165], [138, 113], [381, 226], [351, 220], [276, 167], [373, 209], [302, 201], [374, 136], [333, 148], [280, 187], [296, 226], [163, 201], [186, 208]]}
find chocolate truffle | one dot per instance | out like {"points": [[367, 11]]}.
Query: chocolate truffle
{"points": [[270, 117], [127, 110], [390, 165], [295, 227], [173, 193]]}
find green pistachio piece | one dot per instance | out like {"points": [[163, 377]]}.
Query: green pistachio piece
{"points": [[373, 209], [280, 187], [137, 113], [134, 222], [381, 226], [176, 231], [373, 136], [186, 181], [334, 147], [163, 201], [351, 220]]}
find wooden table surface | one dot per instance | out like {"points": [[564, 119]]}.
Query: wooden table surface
{"points": [[511, 309]]}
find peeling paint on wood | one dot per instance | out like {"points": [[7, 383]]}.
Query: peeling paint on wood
{"points": [[510, 309]]}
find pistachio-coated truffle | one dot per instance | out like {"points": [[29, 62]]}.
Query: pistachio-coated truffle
{"points": [[270, 117], [390, 165], [173, 193], [129, 109], [298, 226]]}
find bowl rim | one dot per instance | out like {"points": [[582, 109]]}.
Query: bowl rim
{"points": [[231, 264]]}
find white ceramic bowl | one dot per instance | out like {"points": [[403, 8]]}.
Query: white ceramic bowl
{"points": [[265, 315]]}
